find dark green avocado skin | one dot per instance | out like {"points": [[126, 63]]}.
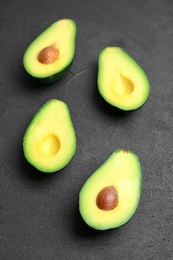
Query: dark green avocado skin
{"points": [[53, 78]]}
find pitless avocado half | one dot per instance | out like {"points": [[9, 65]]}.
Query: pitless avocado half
{"points": [[121, 80], [50, 55], [49, 142]]}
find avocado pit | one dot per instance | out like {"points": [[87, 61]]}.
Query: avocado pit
{"points": [[107, 198], [48, 55]]}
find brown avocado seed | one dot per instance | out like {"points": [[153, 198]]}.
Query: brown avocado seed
{"points": [[107, 198], [48, 55]]}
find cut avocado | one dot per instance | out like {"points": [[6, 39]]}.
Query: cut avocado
{"points": [[49, 56], [110, 196], [121, 81], [49, 142]]}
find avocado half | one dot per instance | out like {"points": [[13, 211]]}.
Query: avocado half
{"points": [[110, 196], [121, 80], [49, 142], [50, 55]]}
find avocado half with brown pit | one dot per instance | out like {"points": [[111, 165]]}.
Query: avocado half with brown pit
{"points": [[50, 55], [121, 80], [110, 196], [49, 142]]}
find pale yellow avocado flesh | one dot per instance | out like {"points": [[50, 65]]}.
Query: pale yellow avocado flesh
{"points": [[50, 142], [123, 171], [61, 35], [121, 81]]}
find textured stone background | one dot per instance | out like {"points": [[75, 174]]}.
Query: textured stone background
{"points": [[39, 216]]}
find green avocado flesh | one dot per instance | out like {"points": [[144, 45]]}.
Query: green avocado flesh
{"points": [[49, 142], [50, 55], [122, 172], [121, 81]]}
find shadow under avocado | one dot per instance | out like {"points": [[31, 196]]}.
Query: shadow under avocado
{"points": [[82, 230], [36, 84], [29, 172]]}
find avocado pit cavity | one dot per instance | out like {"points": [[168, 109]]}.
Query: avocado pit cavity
{"points": [[107, 198], [50, 145], [122, 85], [48, 55]]}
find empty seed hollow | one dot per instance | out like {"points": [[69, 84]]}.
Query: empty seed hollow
{"points": [[50, 145]]}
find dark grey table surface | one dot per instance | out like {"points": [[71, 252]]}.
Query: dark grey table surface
{"points": [[39, 217]]}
